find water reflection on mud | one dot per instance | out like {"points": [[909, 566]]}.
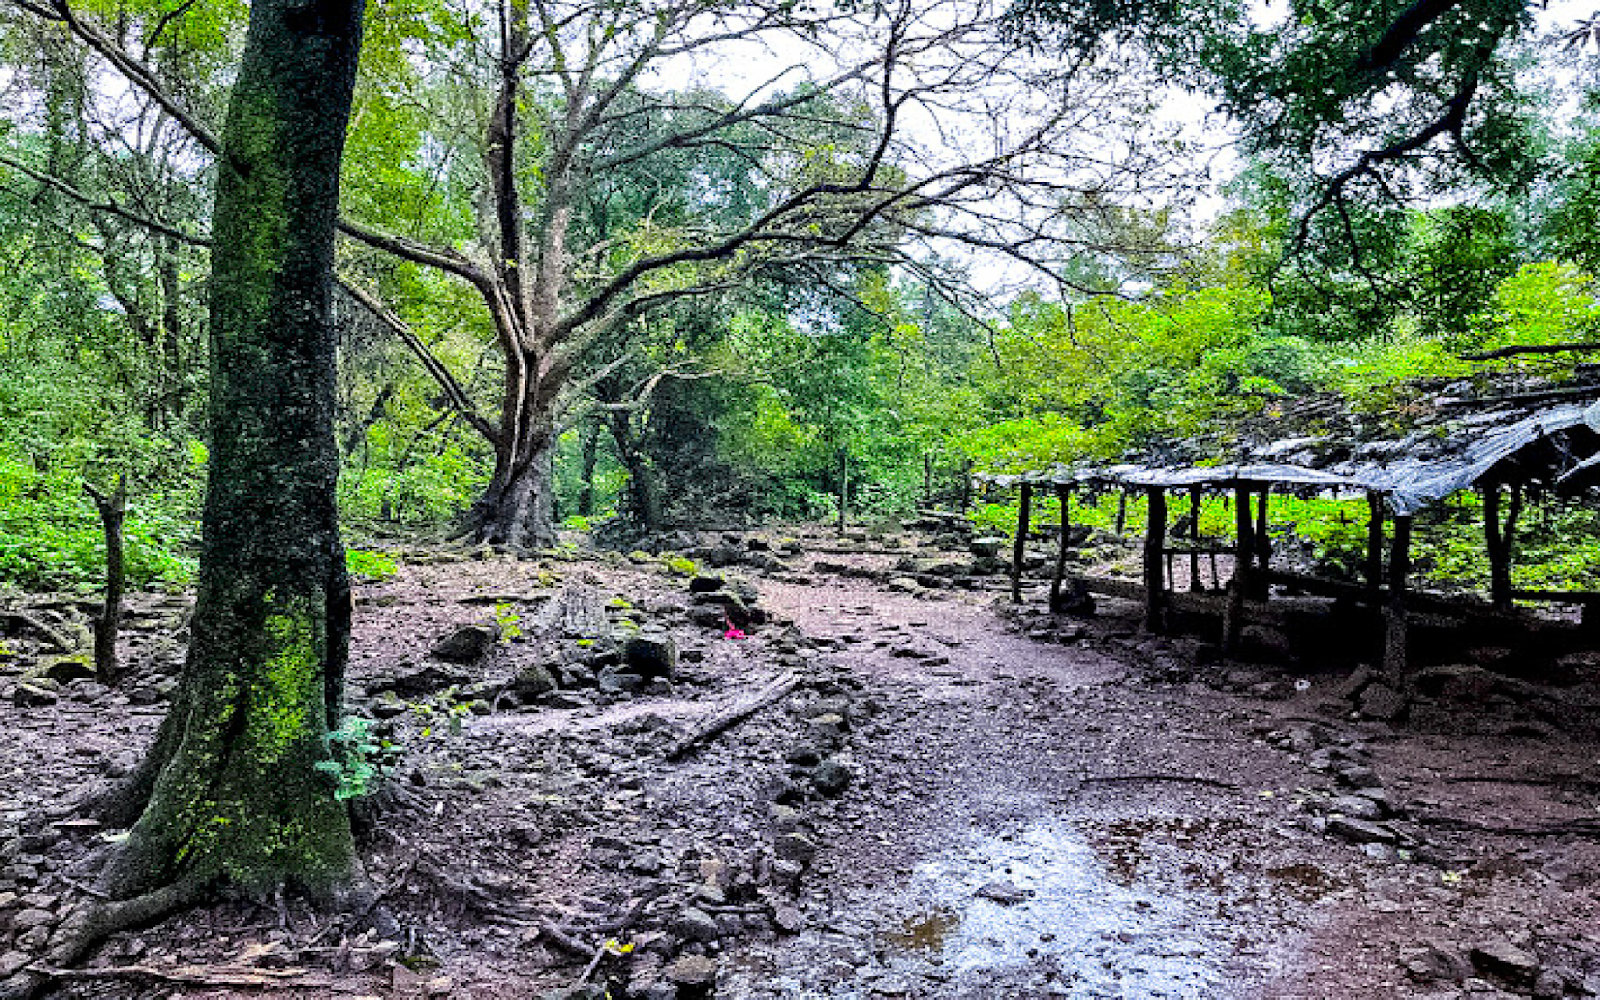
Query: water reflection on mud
{"points": [[1133, 908]]}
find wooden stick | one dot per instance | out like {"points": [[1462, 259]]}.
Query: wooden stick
{"points": [[1024, 516], [779, 688]]}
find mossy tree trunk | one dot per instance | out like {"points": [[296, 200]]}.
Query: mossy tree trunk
{"points": [[230, 790]]}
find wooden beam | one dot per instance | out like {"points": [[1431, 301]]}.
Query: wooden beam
{"points": [[1263, 542], [1194, 537], [1240, 586], [1396, 626], [1155, 543], [1024, 518], [1064, 497], [1373, 568]]}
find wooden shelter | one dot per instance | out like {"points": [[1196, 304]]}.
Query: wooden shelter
{"points": [[1505, 455]]}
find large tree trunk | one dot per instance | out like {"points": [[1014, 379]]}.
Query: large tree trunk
{"points": [[518, 508], [232, 788], [644, 494]]}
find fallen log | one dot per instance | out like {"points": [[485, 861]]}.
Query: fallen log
{"points": [[779, 687]]}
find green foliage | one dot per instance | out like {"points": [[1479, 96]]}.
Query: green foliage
{"points": [[368, 566], [508, 621], [358, 759]]}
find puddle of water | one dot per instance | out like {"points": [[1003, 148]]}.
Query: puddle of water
{"points": [[1091, 925], [1125, 909]]}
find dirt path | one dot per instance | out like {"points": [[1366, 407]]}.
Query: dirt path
{"points": [[1034, 808]]}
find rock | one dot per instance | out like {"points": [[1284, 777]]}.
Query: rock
{"points": [[694, 975], [1503, 959], [788, 919], [831, 777], [1004, 893], [466, 644], [33, 696], [1267, 642], [1430, 960], [695, 925], [423, 681], [794, 847], [1359, 776], [1356, 807], [1382, 702], [12, 962], [66, 669], [1460, 684], [613, 681], [1351, 687], [706, 584], [1359, 831], [651, 655], [27, 920], [987, 547], [533, 680]]}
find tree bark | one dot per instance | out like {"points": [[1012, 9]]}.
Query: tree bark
{"points": [[231, 785], [113, 509]]}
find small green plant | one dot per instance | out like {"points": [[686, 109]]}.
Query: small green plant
{"points": [[368, 566], [509, 621], [446, 706], [681, 565], [619, 604], [359, 758]]}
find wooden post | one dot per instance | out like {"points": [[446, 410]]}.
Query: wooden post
{"points": [[113, 510], [1240, 586], [964, 498], [1395, 624], [1194, 539], [1373, 569], [1497, 537], [1263, 545], [1155, 542], [1024, 518], [1122, 512], [844, 486], [1064, 496], [927, 479]]}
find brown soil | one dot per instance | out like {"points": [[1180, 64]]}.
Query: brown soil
{"points": [[1035, 808]]}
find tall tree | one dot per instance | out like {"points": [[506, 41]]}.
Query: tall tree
{"points": [[230, 791]]}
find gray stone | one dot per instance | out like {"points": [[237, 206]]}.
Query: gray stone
{"points": [[695, 925], [1004, 893], [694, 973], [467, 644], [620, 682], [794, 847], [1503, 959], [1359, 831], [1431, 960], [12, 962], [1382, 702], [1356, 807], [788, 919], [533, 680], [66, 669], [1351, 687], [651, 655], [28, 919], [33, 696], [831, 777]]}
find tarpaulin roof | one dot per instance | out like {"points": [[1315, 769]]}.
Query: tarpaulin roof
{"points": [[1411, 472]]}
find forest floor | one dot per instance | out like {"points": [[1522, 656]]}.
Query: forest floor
{"points": [[939, 795]]}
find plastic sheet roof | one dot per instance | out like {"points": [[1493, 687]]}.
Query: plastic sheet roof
{"points": [[1410, 473]]}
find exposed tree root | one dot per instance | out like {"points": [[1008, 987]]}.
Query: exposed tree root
{"points": [[92, 923]]}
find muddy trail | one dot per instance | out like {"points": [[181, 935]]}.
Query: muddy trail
{"points": [[811, 767]]}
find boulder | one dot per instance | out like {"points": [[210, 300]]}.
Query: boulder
{"points": [[424, 680], [532, 681], [66, 669], [831, 777], [1382, 702], [651, 655], [467, 644], [1505, 960]]}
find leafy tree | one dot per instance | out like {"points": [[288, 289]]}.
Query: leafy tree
{"points": [[231, 789]]}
